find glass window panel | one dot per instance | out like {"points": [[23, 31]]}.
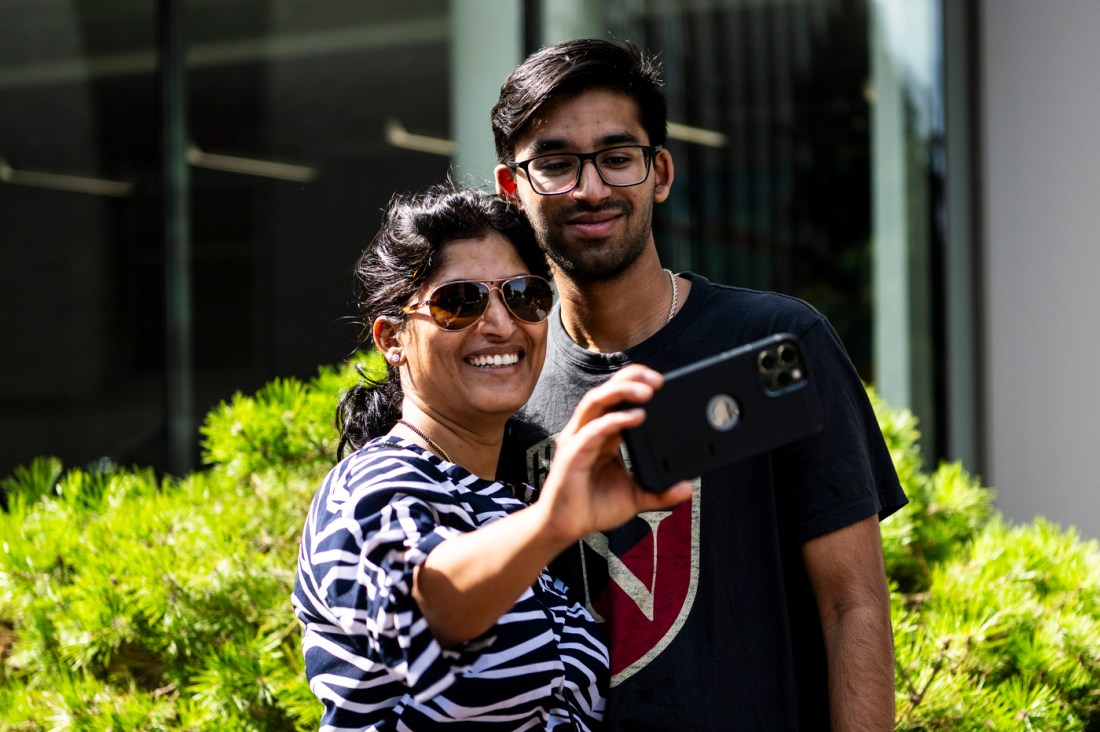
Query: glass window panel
{"points": [[292, 110], [288, 107], [773, 175], [80, 261], [312, 86]]}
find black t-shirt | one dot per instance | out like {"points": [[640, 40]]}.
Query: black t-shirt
{"points": [[707, 608]]}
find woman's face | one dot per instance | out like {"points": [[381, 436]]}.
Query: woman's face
{"points": [[450, 375]]}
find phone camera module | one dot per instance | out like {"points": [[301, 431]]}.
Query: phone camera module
{"points": [[780, 367]]}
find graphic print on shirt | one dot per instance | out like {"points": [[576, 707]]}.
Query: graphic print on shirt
{"points": [[640, 580]]}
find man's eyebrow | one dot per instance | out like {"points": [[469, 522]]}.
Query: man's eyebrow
{"points": [[558, 144]]}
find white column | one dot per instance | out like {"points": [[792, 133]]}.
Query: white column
{"points": [[486, 44], [902, 35], [1040, 174], [564, 20]]}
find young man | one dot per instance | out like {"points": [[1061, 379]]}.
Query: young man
{"points": [[762, 603]]}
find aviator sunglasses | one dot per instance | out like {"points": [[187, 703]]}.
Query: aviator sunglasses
{"points": [[458, 305]]}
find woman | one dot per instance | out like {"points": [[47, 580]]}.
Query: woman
{"points": [[421, 582]]}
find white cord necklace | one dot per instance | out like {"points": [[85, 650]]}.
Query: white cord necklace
{"points": [[675, 296]]}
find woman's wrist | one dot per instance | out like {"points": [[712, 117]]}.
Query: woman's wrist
{"points": [[549, 528]]}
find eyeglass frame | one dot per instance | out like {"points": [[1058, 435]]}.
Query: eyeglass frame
{"points": [[650, 154], [491, 286]]}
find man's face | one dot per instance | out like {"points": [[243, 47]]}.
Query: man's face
{"points": [[595, 231]]}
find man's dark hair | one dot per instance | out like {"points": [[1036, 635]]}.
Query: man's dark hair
{"points": [[571, 68]]}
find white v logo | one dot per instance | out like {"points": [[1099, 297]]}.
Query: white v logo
{"points": [[620, 574]]}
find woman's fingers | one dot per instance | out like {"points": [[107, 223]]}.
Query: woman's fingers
{"points": [[634, 384], [589, 487], [671, 496], [595, 440]]}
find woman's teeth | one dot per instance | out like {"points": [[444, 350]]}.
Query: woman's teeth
{"points": [[499, 359]]}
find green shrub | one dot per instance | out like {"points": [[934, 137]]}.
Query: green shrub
{"points": [[996, 627], [287, 424], [128, 602], [136, 605]]}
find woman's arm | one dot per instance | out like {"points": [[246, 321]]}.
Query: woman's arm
{"points": [[469, 581]]}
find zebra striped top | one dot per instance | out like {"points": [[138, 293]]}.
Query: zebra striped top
{"points": [[371, 658]]}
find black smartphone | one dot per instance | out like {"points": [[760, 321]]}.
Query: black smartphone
{"points": [[725, 408]]}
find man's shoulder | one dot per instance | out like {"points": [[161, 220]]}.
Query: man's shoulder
{"points": [[755, 313], [747, 296]]}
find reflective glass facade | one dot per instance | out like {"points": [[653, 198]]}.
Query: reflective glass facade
{"points": [[300, 118]]}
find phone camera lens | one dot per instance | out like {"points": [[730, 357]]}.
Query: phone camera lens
{"points": [[787, 355], [766, 361], [784, 378]]}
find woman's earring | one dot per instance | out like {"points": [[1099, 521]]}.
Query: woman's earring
{"points": [[395, 357]]}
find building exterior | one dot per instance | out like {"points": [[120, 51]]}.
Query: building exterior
{"points": [[184, 187]]}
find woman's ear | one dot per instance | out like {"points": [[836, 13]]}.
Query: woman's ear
{"points": [[387, 339]]}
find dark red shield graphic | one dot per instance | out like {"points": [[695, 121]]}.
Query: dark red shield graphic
{"points": [[640, 582], [650, 586]]}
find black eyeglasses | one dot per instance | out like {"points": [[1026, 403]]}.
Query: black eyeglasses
{"points": [[458, 305], [556, 173]]}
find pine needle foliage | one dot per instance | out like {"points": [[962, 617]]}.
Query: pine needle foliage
{"points": [[129, 602], [996, 627]]}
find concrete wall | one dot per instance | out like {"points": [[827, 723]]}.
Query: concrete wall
{"points": [[1040, 187]]}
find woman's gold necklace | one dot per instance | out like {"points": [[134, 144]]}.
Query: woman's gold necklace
{"points": [[431, 443]]}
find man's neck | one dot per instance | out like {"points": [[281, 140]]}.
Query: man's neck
{"points": [[613, 315]]}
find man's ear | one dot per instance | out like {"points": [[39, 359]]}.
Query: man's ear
{"points": [[663, 173], [386, 339], [506, 182]]}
